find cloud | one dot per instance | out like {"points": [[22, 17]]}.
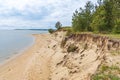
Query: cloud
{"points": [[37, 13]]}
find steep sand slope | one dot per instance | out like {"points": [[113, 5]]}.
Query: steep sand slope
{"points": [[92, 51], [78, 65]]}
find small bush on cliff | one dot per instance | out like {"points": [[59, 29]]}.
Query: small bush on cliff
{"points": [[72, 48], [50, 31]]}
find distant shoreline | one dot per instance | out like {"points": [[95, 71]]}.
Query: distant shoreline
{"points": [[33, 29]]}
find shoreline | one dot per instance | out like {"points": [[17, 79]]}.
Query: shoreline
{"points": [[18, 53], [17, 67]]}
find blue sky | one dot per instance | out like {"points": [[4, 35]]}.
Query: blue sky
{"points": [[37, 13]]}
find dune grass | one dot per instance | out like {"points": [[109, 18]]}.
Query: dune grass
{"points": [[107, 73], [112, 35]]}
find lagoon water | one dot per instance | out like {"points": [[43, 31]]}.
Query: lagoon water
{"points": [[14, 41]]}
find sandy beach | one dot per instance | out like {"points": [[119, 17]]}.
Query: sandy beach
{"points": [[32, 64]]}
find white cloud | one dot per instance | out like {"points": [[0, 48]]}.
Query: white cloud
{"points": [[38, 13]]}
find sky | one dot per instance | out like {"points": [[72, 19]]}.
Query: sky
{"points": [[43, 14]]}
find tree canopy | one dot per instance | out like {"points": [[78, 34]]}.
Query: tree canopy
{"points": [[103, 17], [58, 25]]}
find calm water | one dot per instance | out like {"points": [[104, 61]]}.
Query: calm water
{"points": [[14, 41]]}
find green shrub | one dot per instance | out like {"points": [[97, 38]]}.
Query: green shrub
{"points": [[99, 77], [50, 31], [105, 77], [107, 73], [113, 77], [72, 48], [116, 28], [104, 68]]}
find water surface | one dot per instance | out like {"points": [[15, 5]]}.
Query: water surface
{"points": [[14, 41]]}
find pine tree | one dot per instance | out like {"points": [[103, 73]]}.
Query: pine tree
{"points": [[58, 25], [81, 19]]}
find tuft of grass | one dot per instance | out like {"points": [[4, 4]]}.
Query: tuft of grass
{"points": [[99, 77], [113, 67], [113, 77], [104, 68], [115, 52], [109, 68], [107, 73], [72, 48], [117, 36], [105, 77]]}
